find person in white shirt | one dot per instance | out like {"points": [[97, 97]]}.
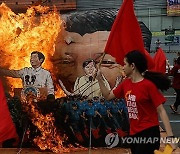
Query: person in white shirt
{"points": [[87, 85], [34, 76]]}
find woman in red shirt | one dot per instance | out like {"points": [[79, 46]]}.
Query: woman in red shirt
{"points": [[144, 102], [175, 72]]}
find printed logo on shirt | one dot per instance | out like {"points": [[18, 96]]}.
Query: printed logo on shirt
{"points": [[29, 80], [131, 105]]}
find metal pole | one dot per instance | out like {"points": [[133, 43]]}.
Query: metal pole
{"points": [[90, 135], [149, 17]]}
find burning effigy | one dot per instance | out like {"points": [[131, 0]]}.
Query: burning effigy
{"points": [[21, 34]]}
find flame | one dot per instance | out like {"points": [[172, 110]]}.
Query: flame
{"points": [[22, 33], [50, 138]]}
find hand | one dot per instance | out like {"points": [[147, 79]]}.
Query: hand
{"points": [[118, 80], [99, 74], [174, 146], [172, 142]]}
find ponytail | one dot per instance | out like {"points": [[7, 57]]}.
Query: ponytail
{"points": [[161, 80]]}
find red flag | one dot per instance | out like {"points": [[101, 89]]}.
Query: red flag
{"points": [[160, 61], [126, 35], [7, 128]]}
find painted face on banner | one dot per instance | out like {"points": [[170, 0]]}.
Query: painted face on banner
{"points": [[72, 49], [35, 61], [90, 69]]}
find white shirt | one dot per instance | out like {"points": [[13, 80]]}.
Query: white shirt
{"points": [[85, 87], [38, 78]]}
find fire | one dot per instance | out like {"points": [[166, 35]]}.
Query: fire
{"points": [[50, 137], [20, 34]]}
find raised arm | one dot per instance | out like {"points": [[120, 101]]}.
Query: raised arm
{"points": [[10, 73], [64, 88], [107, 93]]}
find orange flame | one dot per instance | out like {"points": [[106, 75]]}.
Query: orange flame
{"points": [[20, 34], [50, 138]]}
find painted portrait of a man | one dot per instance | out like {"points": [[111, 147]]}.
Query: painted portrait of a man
{"points": [[85, 37]]}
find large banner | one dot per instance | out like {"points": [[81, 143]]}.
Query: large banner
{"points": [[173, 7]]}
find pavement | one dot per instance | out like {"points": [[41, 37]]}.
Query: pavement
{"points": [[174, 118]]}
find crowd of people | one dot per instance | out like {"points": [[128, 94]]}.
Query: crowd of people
{"points": [[81, 115]]}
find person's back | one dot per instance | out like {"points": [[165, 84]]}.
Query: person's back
{"points": [[175, 72]]}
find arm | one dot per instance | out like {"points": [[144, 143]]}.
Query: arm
{"points": [[164, 117], [64, 88], [98, 114], [107, 93], [10, 73], [118, 80]]}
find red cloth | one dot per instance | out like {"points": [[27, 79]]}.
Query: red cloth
{"points": [[7, 128], [142, 99], [175, 72], [160, 61], [126, 35]]}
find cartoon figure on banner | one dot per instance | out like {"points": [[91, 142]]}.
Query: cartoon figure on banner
{"points": [[85, 85]]}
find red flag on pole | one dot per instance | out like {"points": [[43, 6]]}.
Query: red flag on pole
{"points": [[126, 35], [7, 127], [160, 61]]}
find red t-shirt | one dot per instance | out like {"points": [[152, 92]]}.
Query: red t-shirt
{"points": [[142, 99], [175, 72]]}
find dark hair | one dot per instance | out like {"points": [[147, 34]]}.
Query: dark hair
{"points": [[99, 20], [159, 79], [86, 62], [40, 55]]}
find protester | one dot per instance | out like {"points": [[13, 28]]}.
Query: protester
{"points": [[175, 72], [158, 44], [143, 99]]}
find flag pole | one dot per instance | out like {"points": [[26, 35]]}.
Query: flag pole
{"points": [[100, 62]]}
